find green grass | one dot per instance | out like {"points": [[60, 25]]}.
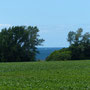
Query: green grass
{"points": [[63, 75]]}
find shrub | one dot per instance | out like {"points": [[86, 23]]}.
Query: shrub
{"points": [[63, 54]]}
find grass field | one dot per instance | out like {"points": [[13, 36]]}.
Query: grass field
{"points": [[63, 75]]}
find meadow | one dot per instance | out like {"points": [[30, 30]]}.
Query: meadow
{"points": [[58, 75]]}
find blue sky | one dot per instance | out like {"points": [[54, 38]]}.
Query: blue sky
{"points": [[54, 18]]}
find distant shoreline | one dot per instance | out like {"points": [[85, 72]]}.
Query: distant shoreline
{"points": [[51, 47], [46, 51]]}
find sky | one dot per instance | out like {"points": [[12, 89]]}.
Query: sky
{"points": [[54, 18]]}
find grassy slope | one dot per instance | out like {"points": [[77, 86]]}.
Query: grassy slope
{"points": [[63, 75]]}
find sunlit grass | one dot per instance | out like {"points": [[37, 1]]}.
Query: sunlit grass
{"points": [[63, 75]]}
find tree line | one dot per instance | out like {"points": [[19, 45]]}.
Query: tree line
{"points": [[79, 48], [19, 43]]}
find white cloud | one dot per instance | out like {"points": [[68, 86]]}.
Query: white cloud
{"points": [[5, 25]]}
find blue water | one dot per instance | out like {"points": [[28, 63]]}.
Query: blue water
{"points": [[44, 52]]}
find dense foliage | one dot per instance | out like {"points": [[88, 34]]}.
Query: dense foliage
{"points": [[79, 48], [79, 44], [19, 43], [63, 54]]}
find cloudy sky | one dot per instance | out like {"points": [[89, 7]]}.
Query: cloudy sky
{"points": [[54, 18]]}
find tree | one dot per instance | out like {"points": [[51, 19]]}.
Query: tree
{"points": [[71, 37], [80, 46], [19, 43], [74, 37], [78, 36], [86, 44]]}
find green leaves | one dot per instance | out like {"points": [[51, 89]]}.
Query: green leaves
{"points": [[18, 43], [79, 48], [63, 54], [75, 37], [79, 44]]}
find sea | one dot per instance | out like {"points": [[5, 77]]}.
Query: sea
{"points": [[46, 51]]}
